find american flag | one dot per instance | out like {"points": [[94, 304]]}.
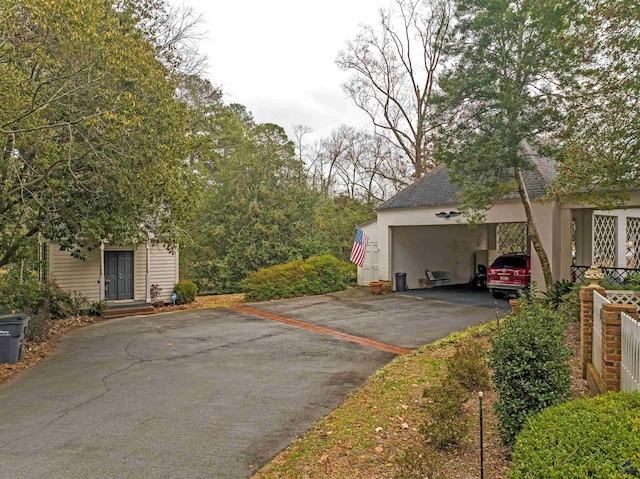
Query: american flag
{"points": [[359, 247]]}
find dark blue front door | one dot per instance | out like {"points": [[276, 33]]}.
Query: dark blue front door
{"points": [[118, 275]]}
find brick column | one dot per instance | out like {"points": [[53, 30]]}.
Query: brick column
{"points": [[586, 324], [612, 343]]}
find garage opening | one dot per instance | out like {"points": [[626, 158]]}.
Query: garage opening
{"points": [[453, 249]]}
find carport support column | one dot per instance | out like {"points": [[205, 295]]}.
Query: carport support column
{"points": [[101, 281], [565, 253], [147, 275]]}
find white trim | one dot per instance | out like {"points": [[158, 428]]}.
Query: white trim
{"points": [[101, 280], [177, 265], [147, 281]]}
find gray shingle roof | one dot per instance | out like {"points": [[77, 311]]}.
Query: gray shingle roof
{"points": [[435, 188]]}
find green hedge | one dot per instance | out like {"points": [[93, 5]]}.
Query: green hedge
{"points": [[530, 366], [630, 283], [593, 437], [315, 275]]}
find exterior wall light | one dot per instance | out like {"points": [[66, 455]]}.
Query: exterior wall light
{"points": [[450, 214]]}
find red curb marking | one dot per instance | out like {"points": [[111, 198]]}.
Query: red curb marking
{"points": [[319, 329]]}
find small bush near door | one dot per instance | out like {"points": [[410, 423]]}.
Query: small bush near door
{"points": [[186, 292]]}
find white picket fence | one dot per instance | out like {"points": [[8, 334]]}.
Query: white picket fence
{"points": [[630, 368], [596, 352]]}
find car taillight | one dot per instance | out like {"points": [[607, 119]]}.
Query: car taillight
{"points": [[521, 272]]}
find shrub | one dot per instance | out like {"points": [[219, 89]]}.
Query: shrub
{"points": [[417, 462], [448, 422], [33, 297], [316, 275], [591, 437], [529, 359], [468, 366], [630, 283], [59, 303], [186, 291], [569, 307], [95, 309], [558, 290], [39, 326], [156, 291], [16, 297]]}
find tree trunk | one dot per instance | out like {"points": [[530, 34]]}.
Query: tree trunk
{"points": [[533, 231]]}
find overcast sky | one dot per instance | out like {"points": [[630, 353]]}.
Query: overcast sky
{"points": [[277, 57]]}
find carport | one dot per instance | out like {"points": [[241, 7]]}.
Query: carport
{"points": [[456, 249], [422, 228]]}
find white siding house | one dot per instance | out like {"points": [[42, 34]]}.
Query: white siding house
{"points": [[116, 273]]}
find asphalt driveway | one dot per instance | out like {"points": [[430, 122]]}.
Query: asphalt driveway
{"points": [[202, 394], [461, 294]]}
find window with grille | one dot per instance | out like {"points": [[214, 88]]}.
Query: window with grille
{"points": [[633, 243], [605, 241], [512, 238]]}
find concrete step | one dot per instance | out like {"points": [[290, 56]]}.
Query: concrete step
{"points": [[121, 312]]}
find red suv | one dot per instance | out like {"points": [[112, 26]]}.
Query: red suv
{"points": [[509, 274]]}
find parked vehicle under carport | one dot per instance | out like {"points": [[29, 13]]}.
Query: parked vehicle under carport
{"points": [[509, 274]]}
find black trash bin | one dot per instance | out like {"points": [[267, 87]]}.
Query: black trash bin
{"points": [[12, 329], [401, 282]]}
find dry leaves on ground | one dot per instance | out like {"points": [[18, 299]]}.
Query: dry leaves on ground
{"points": [[33, 353]]}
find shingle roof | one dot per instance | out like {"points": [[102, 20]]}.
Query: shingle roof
{"points": [[435, 188]]}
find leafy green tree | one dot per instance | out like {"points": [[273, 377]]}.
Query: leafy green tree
{"points": [[501, 94], [600, 145], [93, 139], [257, 210], [335, 221]]}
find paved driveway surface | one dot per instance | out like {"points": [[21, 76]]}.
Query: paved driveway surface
{"points": [[201, 394], [462, 294]]}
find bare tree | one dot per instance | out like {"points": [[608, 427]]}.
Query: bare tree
{"points": [[357, 164], [175, 31], [328, 153], [299, 131], [395, 73]]}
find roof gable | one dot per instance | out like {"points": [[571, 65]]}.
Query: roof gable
{"points": [[436, 188]]}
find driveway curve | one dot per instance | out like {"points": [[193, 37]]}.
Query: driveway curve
{"points": [[203, 394]]}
